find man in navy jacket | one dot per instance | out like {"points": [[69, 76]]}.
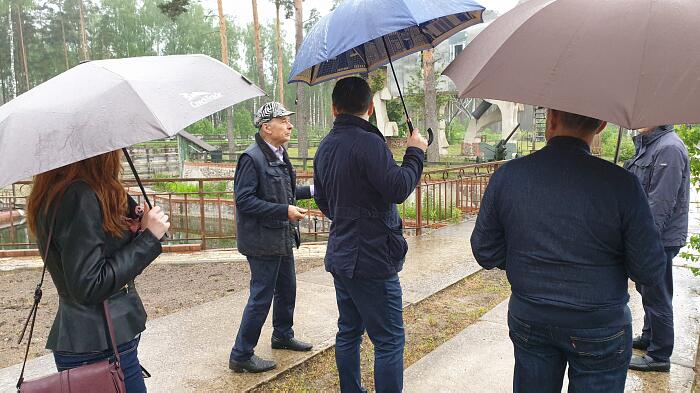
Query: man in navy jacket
{"points": [[662, 166], [358, 185], [569, 229]]}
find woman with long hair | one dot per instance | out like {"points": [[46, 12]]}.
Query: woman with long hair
{"points": [[97, 250]]}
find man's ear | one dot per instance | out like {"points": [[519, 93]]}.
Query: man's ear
{"points": [[552, 119], [370, 109], [601, 128], [334, 110]]}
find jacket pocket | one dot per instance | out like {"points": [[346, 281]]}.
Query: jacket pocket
{"points": [[643, 168], [398, 247]]}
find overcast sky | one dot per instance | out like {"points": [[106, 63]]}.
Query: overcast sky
{"points": [[242, 10]]}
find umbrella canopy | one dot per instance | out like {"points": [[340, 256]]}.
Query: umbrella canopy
{"points": [[635, 63], [349, 40], [105, 105]]}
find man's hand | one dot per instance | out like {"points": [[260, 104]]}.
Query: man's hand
{"points": [[295, 213], [417, 140]]}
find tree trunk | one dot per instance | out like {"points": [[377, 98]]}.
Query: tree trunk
{"points": [[430, 104], [258, 49], [224, 58], [65, 44], [83, 33], [22, 46], [302, 116], [13, 72], [280, 67]]}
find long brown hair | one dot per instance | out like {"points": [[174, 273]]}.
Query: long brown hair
{"points": [[102, 173]]}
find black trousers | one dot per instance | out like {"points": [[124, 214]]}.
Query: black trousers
{"points": [[272, 282], [658, 312]]}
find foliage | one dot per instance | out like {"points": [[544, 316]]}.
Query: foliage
{"points": [[691, 137], [211, 189], [174, 8], [609, 141], [431, 211], [307, 203]]}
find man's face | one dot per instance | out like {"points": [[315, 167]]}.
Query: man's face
{"points": [[645, 130], [278, 130]]}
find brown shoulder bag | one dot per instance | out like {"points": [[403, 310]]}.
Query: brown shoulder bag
{"points": [[99, 377]]}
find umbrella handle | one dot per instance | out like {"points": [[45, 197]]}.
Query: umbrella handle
{"points": [[431, 136]]}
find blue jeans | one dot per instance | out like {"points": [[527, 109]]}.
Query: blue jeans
{"points": [[658, 312], [128, 353], [270, 278], [597, 358], [375, 305]]}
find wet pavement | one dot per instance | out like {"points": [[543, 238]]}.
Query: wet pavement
{"points": [[480, 358], [309, 250], [188, 350]]}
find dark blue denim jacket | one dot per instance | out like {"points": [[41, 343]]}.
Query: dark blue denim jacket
{"points": [[569, 229], [357, 185]]}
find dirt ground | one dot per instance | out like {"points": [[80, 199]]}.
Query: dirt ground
{"points": [[164, 289]]}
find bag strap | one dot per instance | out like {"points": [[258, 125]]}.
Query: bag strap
{"points": [[112, 337], [37, 298]]}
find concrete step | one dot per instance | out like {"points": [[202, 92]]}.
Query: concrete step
{"points": [[480, 358], [188, 350]]}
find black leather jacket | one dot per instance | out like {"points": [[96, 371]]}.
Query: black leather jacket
{"points": [[88, 266]]}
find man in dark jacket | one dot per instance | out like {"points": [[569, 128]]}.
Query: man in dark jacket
{"points": [[358, 185], [662, 166], [267, 229], [569, 229]]}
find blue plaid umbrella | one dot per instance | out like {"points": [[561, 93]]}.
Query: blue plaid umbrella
{"points": [[362, 35]]}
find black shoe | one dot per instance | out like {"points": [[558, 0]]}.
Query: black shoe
{"points": [[641, 343], [647, 363], [252, 365], [291, 344]]}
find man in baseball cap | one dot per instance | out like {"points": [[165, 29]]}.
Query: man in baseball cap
{"points": [[267, 223]]}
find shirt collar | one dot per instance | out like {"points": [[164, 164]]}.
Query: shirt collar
{"points": [[279, 151], [569, 141]]}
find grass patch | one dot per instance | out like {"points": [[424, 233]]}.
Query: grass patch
{"points": [[429, 324]]}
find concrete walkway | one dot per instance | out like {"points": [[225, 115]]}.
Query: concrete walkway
{"points": [[311, 251], [188, 350], [480, 358]]}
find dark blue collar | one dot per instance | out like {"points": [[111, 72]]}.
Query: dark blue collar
{"points": [[569, 142], [655, 134], [354, 121]]}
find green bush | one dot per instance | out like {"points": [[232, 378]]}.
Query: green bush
{"points": [[609, 141]]}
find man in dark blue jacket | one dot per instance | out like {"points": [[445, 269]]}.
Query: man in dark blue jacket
{"points": [[662, 166], [267, 223], [569, 229], [358, 185]]}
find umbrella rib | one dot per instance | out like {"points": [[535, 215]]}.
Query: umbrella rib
{"points": [[131, 87], [641, 64], [488, 60]]}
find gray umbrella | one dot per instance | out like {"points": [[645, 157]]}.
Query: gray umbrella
{"points": [[105, 105], [634, 63]]}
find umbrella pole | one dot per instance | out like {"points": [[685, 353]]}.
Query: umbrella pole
{"points": [[136, 176], [617, 148], [408, 119]]}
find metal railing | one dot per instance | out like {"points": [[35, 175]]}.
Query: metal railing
{"points": [[203, 211]]}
